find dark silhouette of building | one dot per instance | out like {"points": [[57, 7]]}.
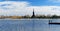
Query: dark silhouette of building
{"points": [[33, 15]]}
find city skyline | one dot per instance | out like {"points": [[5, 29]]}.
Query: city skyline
{"points": [[25, 7]]}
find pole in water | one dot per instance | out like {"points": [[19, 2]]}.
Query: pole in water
{"points": [[50, 21]]}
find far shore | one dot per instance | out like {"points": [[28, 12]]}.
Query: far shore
{"points": [[32, 18]]}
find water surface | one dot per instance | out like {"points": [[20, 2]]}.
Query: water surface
{"points": [[28, 25]]}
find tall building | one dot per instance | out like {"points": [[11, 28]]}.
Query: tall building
{"points": [[33, 15]]}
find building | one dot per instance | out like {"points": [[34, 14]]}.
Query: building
{"points": [[33, 15]]}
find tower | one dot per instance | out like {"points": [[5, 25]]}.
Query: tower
{"points": [[33, 15]]}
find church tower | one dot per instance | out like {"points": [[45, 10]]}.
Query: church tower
{"points": [[33, 15]]}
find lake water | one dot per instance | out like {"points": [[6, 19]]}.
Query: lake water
{"points": [[28, 25]]}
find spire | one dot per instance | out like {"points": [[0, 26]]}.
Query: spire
{"points": [[33, 14]]}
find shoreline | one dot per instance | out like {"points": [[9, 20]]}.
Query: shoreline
{"points": [[29, 18]]}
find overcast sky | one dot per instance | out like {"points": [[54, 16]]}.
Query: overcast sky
{"points": [[25, 7]]}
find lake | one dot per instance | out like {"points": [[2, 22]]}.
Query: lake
{"points": [[28, 25]]}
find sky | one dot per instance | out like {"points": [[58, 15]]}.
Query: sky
{"points": [[25, 7]]}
